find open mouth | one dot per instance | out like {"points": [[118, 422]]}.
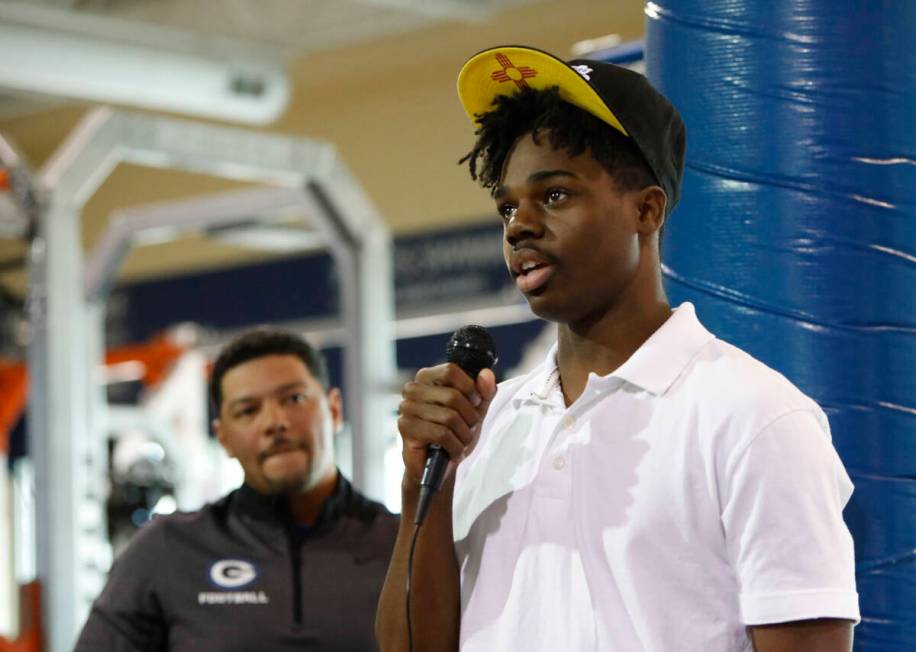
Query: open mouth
{"points": [[532, 276]]}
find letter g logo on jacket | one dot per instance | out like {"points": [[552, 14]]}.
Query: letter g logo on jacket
{"points": [[232, 573]]}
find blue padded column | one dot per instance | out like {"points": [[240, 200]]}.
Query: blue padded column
{"points": [[796, 235]]}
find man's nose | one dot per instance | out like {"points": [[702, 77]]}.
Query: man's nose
{"points": [[525, 224], [275, 417]]}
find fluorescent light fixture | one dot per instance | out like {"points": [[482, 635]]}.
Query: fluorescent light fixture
{"points": [[586, 47], [273, 238], [81, 56]]}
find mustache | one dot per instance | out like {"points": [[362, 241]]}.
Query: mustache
{"points": [[280, 445]]}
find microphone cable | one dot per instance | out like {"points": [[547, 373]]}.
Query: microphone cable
{"points": [[413, 544]]}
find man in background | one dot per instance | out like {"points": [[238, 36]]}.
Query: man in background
{"points": [[294, 559]]}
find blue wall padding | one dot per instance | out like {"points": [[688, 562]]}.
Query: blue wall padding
{"points": [[796, 235]]}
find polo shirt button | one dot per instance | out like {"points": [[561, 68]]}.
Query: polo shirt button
{"points": [[559, 462], [568, 422]]}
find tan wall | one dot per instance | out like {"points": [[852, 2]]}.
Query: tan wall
{"points": [[389, 106]]}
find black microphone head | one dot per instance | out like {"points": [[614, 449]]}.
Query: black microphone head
{"points": [[472, 348]]}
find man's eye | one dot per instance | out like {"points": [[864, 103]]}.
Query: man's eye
{"points": [[296, 399], [555, 195], [245, 412], [506, 211]]}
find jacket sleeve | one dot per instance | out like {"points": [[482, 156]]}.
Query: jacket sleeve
{"points": [[128, 615]]}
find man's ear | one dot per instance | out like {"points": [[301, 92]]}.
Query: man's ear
{"points": [[652, 203], [221, 436], [335, 404]]}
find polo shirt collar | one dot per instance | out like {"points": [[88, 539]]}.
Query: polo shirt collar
{"points": [[663, 357], [541, 385], [653, 367]]}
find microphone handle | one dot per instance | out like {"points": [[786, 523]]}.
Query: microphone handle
{"points": [[433, 473]]}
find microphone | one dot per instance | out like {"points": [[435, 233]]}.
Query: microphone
{"points": [[472, 348]]}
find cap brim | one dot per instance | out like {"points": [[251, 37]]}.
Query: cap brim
{"points": [[505, 70]]}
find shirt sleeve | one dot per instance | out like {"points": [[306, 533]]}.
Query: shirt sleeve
{"points": [[782, 516], [127, 615]]}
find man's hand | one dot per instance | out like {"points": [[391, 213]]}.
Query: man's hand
{"points": [[819, 635], [443, 406]]}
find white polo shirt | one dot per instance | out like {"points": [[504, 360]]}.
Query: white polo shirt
{"points": [[691, 492]]}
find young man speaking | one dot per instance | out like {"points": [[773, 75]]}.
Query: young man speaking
{"points": [[648, 486]]}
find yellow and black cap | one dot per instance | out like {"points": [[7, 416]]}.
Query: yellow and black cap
{"points": [[618, 96]]}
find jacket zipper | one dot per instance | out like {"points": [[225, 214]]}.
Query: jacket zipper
{"points": [[295, 550]]}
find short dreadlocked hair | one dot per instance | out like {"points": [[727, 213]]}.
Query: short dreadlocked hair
{"points": [[568, 127]]}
